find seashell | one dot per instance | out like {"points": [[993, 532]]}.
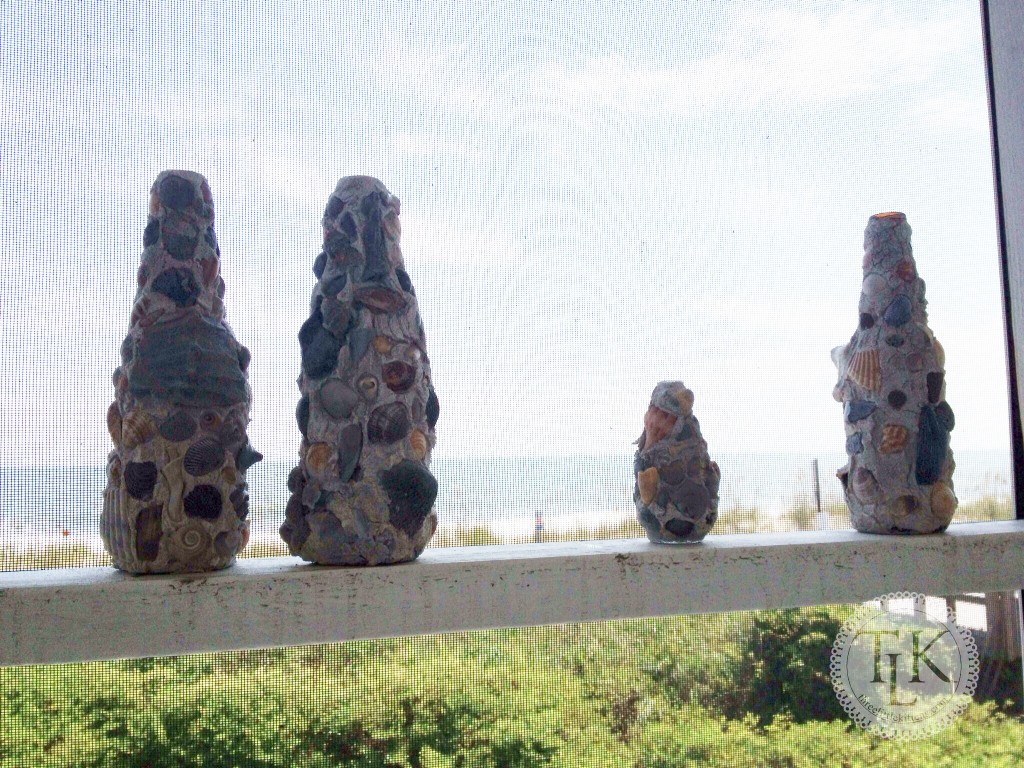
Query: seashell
{"points": [[154, 203], [399, 376], [232, 432], [940, 353], [388, 423], [136, 429], [318, 459], [873, 284], [176, 192], [228, 543], [685, 399], [647, 482], [915, 361], [210, 421], [247, 456], [189, 542], [177, 427], [383, 344], [228, 474], [203, 456], [867, 321], [863, 484], [140, 479], [204, 502], [934, 382], [210, 270], [898, 312], [894, 438], [897, 398], [338, 399], [337, 316], [191, 362], [433, 409], [855, 410], [179, 285], [368, 387], [148, 531], [418, 443], [905, 271], [855, 443], [319, 346], [945, 415], [943, 501], [302, 414], [865, 369], [244, 358], [382, 300], [350, 448], [404, 281], [411, 491], [657, 424], [358, 342], [932, 446], [114, 423]]}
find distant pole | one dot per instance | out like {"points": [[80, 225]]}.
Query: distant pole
{"points": [[817, 491]]}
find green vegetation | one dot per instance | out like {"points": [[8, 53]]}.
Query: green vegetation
{"points": [[726, 690]]}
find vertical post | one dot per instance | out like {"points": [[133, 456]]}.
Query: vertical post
{"points": [[1002, 25], [817, 493]]}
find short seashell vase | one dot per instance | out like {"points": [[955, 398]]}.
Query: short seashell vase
{"points": [[676, 489]]}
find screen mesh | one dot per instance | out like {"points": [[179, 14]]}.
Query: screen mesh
{"points": [[594, 200]]}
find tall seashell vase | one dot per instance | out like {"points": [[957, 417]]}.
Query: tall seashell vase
{"points": [[176, 498], [899, 478], [362, 493], [676, 489]]}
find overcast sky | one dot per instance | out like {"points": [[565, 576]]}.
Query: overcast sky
{"points": [[595, 197]]}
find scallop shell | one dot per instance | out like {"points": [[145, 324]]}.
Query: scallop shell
{"points": [[114, 423], [136, 429], [140, 479], [894, 438], [657, 424], [318, 459], [203, 456], [647, 482], [865, 369], [418, 442]]}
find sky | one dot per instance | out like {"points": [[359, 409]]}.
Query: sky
{"points": [[595, 197]]}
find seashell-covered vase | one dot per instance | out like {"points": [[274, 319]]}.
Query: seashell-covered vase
{"points": [[176, 498], [362, 493], [676, 490], [893, 390]]}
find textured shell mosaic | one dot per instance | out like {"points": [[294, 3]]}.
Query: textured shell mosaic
{"points": [[362, 492], [176, 498]]}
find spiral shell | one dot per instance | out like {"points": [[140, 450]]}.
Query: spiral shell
{"points": [[114, 423], [865, 369], [894, 438], [647, 482], [136, 429], [418, 442], [203, 456], [189, 542]]}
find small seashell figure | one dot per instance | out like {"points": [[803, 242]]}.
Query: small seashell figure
{"points": [[676, 491], [176, 498], [892, 386], [362, 493]]}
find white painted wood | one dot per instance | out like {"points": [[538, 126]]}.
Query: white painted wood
{"points": [[97, 613], [1006, 40]]}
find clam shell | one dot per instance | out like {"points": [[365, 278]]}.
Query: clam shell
{"points": [[177, 427], [647, 482], [148, 531], [418, 443], [943, 501], [318, 459], [399, 376], [338, 399], [865, 369], [136, 429], [388, 423], [114, 423], [382, 300], [204, 502], [894, 438], [203, 456]]}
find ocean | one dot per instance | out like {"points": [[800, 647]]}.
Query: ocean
{"points": [[509, 496]]}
